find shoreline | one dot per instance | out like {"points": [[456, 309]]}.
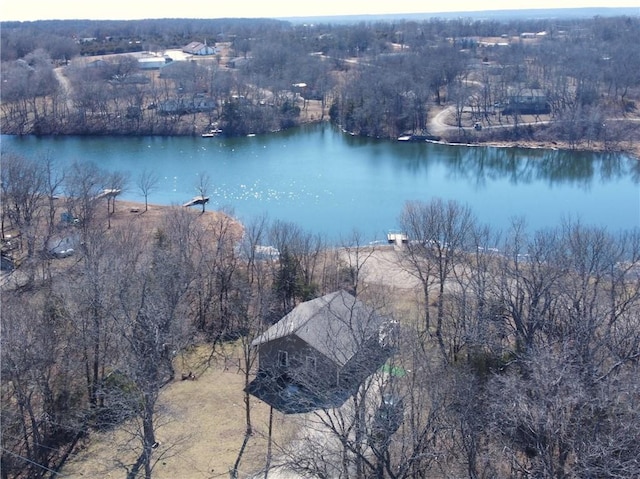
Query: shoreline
{"points": [[442, 123], [633, 151]]}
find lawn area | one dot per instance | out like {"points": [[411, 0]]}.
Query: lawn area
{"points": [[201, 426]]}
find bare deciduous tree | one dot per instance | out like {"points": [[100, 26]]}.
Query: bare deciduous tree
{"points": [[147, 182], [115, 184], [24, 190], [202, 187], [43, 416], [439, 233], [83, 185]]}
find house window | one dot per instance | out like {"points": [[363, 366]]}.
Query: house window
{"points": [[283, 359], [311, 363]]}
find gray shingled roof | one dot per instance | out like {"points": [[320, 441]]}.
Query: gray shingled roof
{"points": [[336, 325], [193, 47]]}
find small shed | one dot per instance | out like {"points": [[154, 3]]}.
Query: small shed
{"points": [[319, 354]]}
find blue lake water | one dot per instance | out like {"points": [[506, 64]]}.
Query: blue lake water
{"points": [[332, 184]]}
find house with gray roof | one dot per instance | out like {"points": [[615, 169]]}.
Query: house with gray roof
{"points": [[527, 101], [320, 353]]}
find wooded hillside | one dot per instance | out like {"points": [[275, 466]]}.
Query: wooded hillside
{"points": [[570, 81]]}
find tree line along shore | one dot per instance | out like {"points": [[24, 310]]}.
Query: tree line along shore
{"points": [[568, 83]]}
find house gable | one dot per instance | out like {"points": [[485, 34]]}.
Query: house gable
{"points": [[527, 101], [318, 354], [336, 325], [303, 362]]}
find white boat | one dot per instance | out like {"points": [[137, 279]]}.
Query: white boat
{"points": [[212, 133]]}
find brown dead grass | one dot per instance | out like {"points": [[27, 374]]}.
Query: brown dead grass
{"points": [[201, 427], [201, 423], [130, 211]]}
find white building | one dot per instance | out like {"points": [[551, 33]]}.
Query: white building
{"points": [[197, 48], [151, 63]]}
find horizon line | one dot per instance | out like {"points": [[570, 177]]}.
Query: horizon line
{"points": [[474, 12]]}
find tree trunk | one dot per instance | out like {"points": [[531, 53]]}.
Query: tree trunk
{"points": [[269, 444]]}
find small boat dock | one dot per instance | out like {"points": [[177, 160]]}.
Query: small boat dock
{"points": [[397, 238], [212, 133], [419, 138], [108, 193], [197, 200]]}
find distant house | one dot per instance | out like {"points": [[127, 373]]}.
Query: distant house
{"points": [[320, 353], [527, 101], [197, 48], [237, 62], [182, 106]]}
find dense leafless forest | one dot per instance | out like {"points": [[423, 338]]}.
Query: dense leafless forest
{"points": [[570, 81], [517, 361], [520, 360]]}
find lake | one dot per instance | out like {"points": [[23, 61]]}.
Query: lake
{"points": [[332, 183]]}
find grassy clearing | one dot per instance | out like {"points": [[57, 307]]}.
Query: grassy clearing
{"points": [[201, 428]]}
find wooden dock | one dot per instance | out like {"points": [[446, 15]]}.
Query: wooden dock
{"points": [[108, 193], [197, 200]]}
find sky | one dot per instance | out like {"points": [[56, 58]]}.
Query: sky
{"points": [[132, 10]]}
